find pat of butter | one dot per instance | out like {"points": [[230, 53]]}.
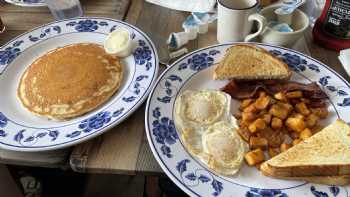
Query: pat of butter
{"points": [[118, 43]]}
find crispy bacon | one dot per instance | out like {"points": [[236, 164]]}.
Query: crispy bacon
{"points": [[249, 89]]}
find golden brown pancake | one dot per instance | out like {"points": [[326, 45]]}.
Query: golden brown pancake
{"points": [[70, 81]]}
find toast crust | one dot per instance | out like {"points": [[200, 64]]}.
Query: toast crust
{"points": [[253, 63], [305, 159], [340, 180]]}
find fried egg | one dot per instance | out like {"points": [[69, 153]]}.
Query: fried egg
{"points": [[207, 129]]}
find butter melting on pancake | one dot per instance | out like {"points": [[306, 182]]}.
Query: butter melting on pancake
{"points": [[70, 81]]}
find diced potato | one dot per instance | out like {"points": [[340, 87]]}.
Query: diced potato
{"points": [[285, 146], [258, 166], [267, 118], [320, 112], [258, 124], [306, 133], [295, 124], [273, 152], [297, 115], [276, 123], [248, 116], [245, 103], [304, 100], [294, 94], [279, 111], [262, 93], [294, 135], [244, 133], [254, 157], [256, 142], [316, 128], [250, 108], [280, 96], [287, 106], [311, 120], [296, 141], [262, 102], [302, 108]]}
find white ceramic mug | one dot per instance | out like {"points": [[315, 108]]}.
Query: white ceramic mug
{"points": [[266, 34], [233, 24]]}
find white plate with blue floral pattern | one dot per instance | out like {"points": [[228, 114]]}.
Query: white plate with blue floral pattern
{"points": [[22, 131], [194, 71], [27, 3]]}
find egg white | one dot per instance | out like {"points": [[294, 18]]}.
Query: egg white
{"points": [[207, 129]]}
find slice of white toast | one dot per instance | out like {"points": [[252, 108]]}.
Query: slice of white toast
{"points": [[327, 153], [247, 62]]}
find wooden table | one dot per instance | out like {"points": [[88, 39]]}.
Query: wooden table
{"points": [[124, 149]]}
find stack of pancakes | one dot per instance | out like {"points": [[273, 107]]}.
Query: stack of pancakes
{"points": [[70, 81]]}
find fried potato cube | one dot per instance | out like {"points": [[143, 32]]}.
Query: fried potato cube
{"points": [[311, 120], [257, 142], [297, 115], [285, 146], [248, 116], [304, 100], [254, 157], [276, 123], [250, 108], [279, 111], [306, 133], [273, 152], [267, 118], [287, 106], [258, 124], [294, 94], [258, 166], [296, 141], [280, 96], [317, 128], [245, 103], [302, 108], [295, 124], [321, 112], [294, 135], [262, 102], [262, 93], [244, 133]]}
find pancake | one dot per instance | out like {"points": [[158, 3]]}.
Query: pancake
{"points": [[70, 81]]}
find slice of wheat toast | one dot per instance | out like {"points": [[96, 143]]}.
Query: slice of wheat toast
{"points": [[249, 62], [327, 180], [327, 153]]}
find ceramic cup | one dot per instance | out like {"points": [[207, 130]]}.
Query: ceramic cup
{"points": [[266, 34], [233, 24]]}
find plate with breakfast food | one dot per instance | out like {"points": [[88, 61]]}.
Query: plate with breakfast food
{"points": [[27, 3], [71, 80], [251, 119]]}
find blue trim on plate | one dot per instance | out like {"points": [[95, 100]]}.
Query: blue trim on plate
{"points": [[112, 123], [147, 112]]}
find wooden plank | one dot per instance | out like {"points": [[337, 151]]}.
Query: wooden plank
{"points": [[49, 159], [146, 163], [324, 55], [115, 152], [8, 186]]}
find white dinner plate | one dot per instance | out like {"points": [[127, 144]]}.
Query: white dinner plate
{"points": [[22, 131], [27, 3], [194, 71]]}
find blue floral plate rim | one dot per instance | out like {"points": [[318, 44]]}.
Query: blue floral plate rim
{"points": [[119, 115], [256, 192]]}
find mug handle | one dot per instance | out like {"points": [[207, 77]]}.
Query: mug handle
{"points": [[261, 23]]}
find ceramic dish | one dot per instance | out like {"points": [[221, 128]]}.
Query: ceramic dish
{"points": [[27, 3], [22, 131], [194, 71]]}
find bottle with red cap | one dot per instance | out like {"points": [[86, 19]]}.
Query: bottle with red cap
{"points": [[332, 28]]}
